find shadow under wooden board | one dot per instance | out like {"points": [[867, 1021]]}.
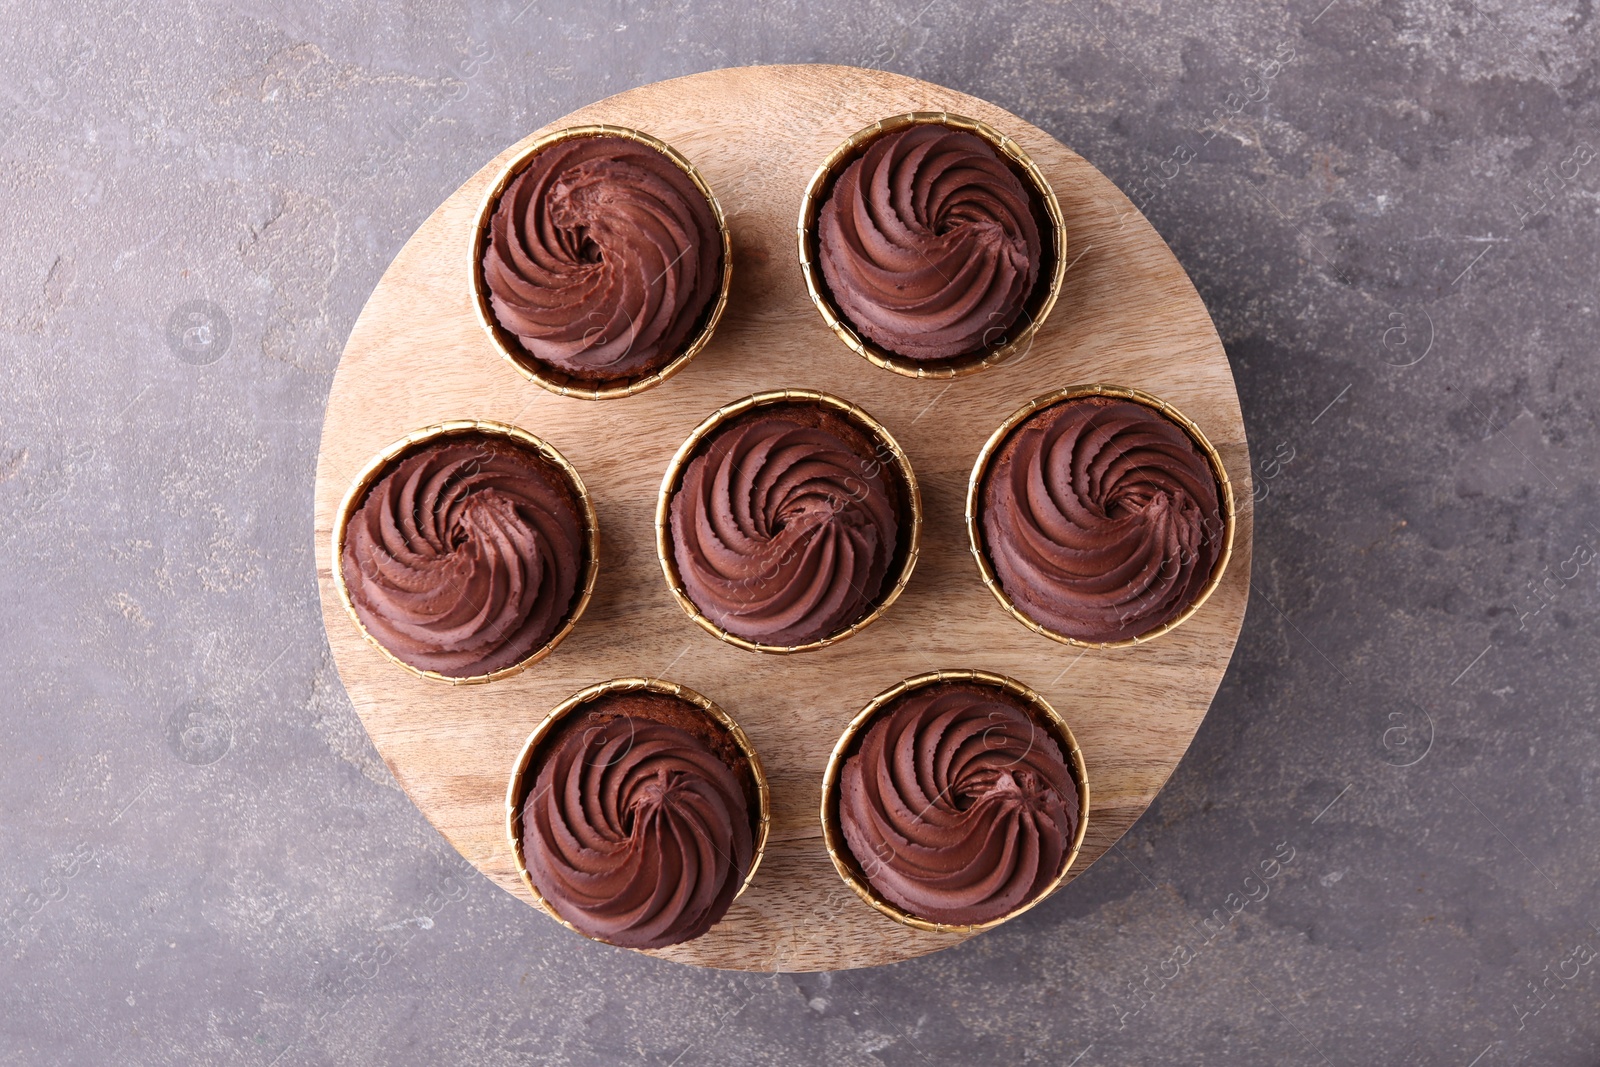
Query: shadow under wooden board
{"points": [[1128, 315]]}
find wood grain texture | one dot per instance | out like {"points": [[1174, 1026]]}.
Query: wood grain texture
{"points": [[1128, 315]]}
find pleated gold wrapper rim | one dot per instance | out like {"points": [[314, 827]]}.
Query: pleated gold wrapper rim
{"points": [[1035, 309], [844, 860], [526, 759], [506, 343], [997, 440], [685, 454], [414, 441]]}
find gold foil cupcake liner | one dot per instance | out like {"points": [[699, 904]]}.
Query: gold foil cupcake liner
{"points": [[517, 790], [844, 860], [887, 448], [1053, 269], [507, 344], [376, 467], [991, 448]]}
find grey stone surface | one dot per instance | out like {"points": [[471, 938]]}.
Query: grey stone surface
{"points": [[1389, 207]]}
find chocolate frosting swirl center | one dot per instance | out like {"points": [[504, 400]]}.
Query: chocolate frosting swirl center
{"points": [[635, 831], [465, 558], [958, 805], [785, 528], [1102, 519], [930, 244], [603, 256]]}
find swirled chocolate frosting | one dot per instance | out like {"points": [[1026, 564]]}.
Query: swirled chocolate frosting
{"points": [[638, 830], [603, 257], [958, 805], [785, 527], [1101, 519], [930, 244], [465, 557]]}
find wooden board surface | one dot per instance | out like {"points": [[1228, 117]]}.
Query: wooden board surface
{"points": [[1128, 315]]}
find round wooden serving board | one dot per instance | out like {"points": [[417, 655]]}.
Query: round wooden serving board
{"points": [[1127, 315]]}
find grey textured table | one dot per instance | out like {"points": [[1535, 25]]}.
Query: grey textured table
{"points": [[1383, 845]]}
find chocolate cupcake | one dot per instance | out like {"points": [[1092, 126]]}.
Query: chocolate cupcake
{"points": [[466, 551], [637, 812], [788, 521], [955, 800], [602, 262], [1100, 516], [938, 243]]}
